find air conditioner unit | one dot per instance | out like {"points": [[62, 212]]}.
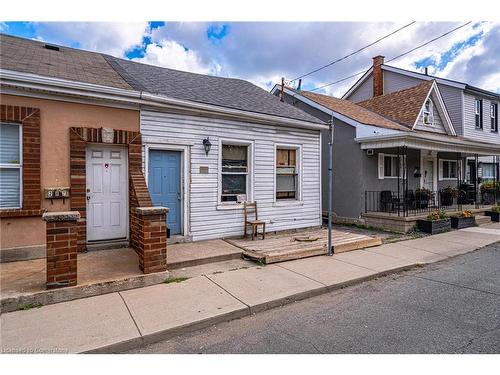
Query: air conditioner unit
{"points": [[370, 152]]}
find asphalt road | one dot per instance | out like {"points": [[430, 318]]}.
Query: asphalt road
{"points": [[448, 307]]}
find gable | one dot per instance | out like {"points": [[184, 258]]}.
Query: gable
{"points": [[441, 120], [437, 125]]}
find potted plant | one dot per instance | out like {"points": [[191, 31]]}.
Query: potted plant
{"points": [[463, 220], [489, 192], [422, 197], [436, 222], [447, 195], [494, 213]]}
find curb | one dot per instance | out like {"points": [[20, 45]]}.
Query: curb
{"points": [[237, 314]]}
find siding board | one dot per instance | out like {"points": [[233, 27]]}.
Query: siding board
{"points": [[205, 219]]}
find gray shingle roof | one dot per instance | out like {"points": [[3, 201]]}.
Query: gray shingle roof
{"points": [[31, 56], [218, 91]]}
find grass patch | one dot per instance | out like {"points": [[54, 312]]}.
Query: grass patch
{"points": [[29, 306], [175, 280]]}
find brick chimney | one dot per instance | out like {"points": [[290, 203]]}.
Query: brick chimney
{"points": [[378, 77]]}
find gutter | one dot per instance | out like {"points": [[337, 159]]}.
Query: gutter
{"points": [[61, 86], [431, 138]]}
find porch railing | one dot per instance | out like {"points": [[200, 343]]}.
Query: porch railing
{"points": [[408, 203]]}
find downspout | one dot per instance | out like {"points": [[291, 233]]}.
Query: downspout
{"points": [[330, 186]]}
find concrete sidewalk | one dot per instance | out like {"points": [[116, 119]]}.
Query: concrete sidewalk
{"points": [[123, 320]]}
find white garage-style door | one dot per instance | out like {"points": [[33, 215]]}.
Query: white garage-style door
{"points": [[107, 193]]}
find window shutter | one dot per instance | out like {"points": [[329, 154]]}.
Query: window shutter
{"points": [[10, 188], [440, 174], [381, 171]]}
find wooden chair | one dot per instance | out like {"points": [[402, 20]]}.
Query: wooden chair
{"points": [[251, 208]]}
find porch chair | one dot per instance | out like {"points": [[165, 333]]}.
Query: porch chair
{"points": [[387, 201], [250, 208]]}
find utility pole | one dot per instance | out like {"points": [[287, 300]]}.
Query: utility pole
{"points": [[330, 186]]}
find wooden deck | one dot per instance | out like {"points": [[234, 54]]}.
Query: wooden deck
{"points": [[282, 247]]}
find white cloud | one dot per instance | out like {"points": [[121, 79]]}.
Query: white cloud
{"points": [[170, 54], [263, 52], [111, 38]]}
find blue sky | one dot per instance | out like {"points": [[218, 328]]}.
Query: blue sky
{"points": [[263, 52]]}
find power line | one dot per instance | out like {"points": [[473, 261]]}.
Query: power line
{"points": [[394, 58], [430, 41], [353, 53]]}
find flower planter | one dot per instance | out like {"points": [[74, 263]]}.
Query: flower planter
{"points": [[434, 227], [495, 216], [462, 222]]}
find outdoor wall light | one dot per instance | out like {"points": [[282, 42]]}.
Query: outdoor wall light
{"points": [[207, 145]]}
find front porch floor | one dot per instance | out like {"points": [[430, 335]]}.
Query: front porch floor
{"points": [[22, 283], [281, 247], [403, 224]]}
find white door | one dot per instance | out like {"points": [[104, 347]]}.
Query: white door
{"points": [[428, 174], [107, 192]]}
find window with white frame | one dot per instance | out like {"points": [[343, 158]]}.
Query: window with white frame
{"points": [[388, 166], [287, 173], [10, 165], [478, 113], [234, 172], [488, 170], [448, 169], [428, 112], [494, 117]]}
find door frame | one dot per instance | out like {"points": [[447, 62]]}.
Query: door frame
{"points": [[432, 157], [185, 162], [124, 148]]}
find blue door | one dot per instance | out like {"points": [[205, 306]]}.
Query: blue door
{"points": [[164, 183]]}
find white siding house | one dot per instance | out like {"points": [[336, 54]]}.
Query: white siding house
{"points": [[204, 215]]}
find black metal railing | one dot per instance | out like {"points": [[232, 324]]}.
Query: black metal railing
{"points": [[421, 201]]}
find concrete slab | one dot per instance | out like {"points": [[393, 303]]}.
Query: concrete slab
{"points": [[492, 231], [400, 251], [462, 237], [159, 309], [69, 327], [372, 261], [440, 246], [201, 252], [327, 270], [268, 286]]}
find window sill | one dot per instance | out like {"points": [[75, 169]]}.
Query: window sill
{"points": [[288, 203], [224, 207]]}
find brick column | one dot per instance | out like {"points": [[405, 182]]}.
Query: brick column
{"points": [[151, 238], [61, 237]]}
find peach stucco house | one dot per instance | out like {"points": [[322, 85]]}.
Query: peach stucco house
{"points": [[80, 131]]}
